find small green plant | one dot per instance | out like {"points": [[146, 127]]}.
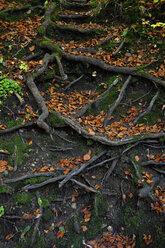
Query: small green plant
{"points": [[23, 66], [8, 86], [2, 211]]}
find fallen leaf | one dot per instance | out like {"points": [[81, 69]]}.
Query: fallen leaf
{"points": [[30, 142], [137, 158], [9, 236], [60, 234], [32, 48], [84, 228]]}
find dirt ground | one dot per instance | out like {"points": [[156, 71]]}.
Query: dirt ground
{"points": [[107, 195]]}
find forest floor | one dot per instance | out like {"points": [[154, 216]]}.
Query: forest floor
{"points": [[82, 127]]}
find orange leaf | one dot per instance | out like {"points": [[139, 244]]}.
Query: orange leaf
{"points": [[60, 234], [30, 142], [97, 186], [84, 228], [130, 195], [9, 236], [45, 168], [137, 158], [32, 48], [87, 156], [66, 171], [124, 197]]}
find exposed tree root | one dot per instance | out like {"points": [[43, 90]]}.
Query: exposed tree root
{"points": [[77, 170], [148, 110], [15, 128], [84, 186], [118, 100], [61, 69], [110, 170], [97, 101], [77, 29], [123, 70], [145, 191], [35, 92], [78, 16], [105, 140], [119, 48], [152, 162], [73, 82], [22, 8]]}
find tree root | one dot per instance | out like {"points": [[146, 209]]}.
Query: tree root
{"points": [[97, 101], [35, 92], [105, 140], [77, 170], [77, 29], [119, 48], [61, 69], [117, 69], [148, 110], [84, 186], [12, 129], [110, 170], [74, 16], [73, 82], [145, 191], [152, 162], [118, 100]]}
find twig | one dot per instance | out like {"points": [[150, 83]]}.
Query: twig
{"points": [[148, 109], [36, 225], [60, 149], [160, 171], [73, 82], [110, 170], [61, 70], [152, 162], [61, 137], [84, 186], [95, 205], [21, 100], [118, 100], [15, 154], [80, 168], [119, 48], [155, 147], [109, 37]]}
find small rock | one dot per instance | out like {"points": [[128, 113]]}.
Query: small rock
{"points": [[74, 205], [110, 229]]}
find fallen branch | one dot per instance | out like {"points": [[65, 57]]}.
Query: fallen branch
{"points": [[148, 110], [118, 100]]}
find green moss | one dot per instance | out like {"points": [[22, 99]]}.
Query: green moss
{"points": [[14, 123], [3, 189], [47, 215], [56, 121], [41, 30], [10, 146], [22, 198]]}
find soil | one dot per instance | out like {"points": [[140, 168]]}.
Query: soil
{"points": [[116, 206]]}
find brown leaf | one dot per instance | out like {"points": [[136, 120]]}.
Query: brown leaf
{"points": [[32, 48], [9, 236], [137, 158], [60, 234]]}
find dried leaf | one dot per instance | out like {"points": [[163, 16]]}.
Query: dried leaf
{"points": [[9, 236]]}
